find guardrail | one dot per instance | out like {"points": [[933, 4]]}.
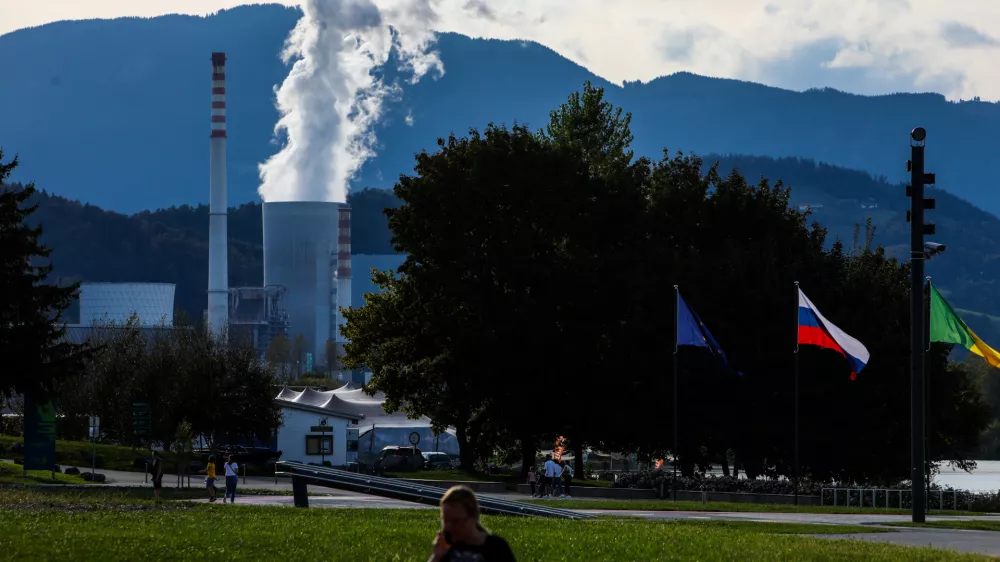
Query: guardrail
{"points": [[303, 475], [877, 498]]}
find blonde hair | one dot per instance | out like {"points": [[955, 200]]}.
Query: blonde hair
{"points": [[464, 496]]}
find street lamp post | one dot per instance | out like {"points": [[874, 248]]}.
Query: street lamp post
{"points": [[918, 252]]}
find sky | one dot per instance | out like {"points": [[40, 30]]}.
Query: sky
{"points": [[861, 46]]}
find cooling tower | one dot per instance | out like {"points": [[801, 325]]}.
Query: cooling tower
{"points": [[218, 259], [301, 248]]}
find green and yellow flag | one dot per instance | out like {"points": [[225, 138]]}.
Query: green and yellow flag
{"points": [[947, 327]]}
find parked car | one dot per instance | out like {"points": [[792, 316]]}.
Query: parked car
{"points": [[392, 459], [437, 461]]}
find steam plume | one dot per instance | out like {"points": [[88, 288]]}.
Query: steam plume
{"points": [[330, 99]]}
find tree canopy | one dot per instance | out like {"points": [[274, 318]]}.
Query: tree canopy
{"points": [[501, 320]]}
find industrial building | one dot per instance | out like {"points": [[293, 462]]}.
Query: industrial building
{"points": [[257, 316], [106, 304], [103, 303]]}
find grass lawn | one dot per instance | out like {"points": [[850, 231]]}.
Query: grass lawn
{"points": [[95, 527], [667, 505], [14, 474], [972, 525]]}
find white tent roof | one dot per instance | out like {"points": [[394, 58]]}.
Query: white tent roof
{"points": [[351, 399], [318, 401]]}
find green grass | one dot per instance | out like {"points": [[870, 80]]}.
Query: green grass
{"points": [[666, 505], [14, 474], [108, 527], [968, 525]]}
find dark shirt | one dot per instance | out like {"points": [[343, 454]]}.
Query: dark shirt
{"points": [[495, 549]]}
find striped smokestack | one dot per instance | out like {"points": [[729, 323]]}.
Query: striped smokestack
{"points": [[343, 266], [218, 261]]}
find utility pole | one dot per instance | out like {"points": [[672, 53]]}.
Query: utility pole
{"points": [[915, 191]]}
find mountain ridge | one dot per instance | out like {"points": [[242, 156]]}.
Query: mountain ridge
{"points": [[127, 102]]}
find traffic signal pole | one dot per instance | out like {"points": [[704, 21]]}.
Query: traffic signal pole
{"points": [[918, 179]]}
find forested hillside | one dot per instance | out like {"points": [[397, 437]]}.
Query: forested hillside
{"points": [[171, 245]]}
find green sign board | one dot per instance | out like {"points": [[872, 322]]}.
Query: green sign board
{"points": [[142, 419], [39, 434]]}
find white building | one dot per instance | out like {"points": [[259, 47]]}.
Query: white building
{"points": [[314, 427]]}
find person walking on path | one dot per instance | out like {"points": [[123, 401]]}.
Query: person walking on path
{"points": [[209, 473], [157, 471], [462, 537], [532, 475], [567, 477], [550, 470], [232, 478]]}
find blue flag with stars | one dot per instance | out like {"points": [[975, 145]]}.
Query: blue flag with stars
{"points": [[692, 331]]}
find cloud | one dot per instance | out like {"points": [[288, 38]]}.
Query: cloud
{"points": [[960, 35], [870, 46]]}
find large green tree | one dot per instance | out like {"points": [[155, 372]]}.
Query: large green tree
{"points": [[31, 326], [537, 300], [485, 221]]}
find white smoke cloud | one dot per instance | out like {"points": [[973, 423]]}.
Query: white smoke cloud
{"points": [[331, 99]]}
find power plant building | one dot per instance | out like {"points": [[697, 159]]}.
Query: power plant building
{"points": [[104, 303], [257, 316]]}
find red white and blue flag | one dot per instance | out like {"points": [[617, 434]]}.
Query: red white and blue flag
{"points": [[816, 330]]}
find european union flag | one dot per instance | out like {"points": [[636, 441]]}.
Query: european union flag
{"points": [[692, 331]]}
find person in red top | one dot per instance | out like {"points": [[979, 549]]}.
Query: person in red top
{"points": [[462, 537]]}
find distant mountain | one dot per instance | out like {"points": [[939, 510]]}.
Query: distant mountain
{"points": [[115, 112], [171, 245]]}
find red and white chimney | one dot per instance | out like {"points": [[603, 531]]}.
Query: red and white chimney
{"points": [[218, 260]]}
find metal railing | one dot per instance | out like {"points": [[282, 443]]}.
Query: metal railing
{"points": [[880, 498], [393, 488]]}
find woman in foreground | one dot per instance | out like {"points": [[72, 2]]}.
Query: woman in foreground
{"points": [[462, 537]]}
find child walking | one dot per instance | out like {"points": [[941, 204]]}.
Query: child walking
{"points": [[532, 477], [209, 473]]}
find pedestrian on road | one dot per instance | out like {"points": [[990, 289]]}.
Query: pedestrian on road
{"points": [[550, 470], [157, 471], [232, 478], [532, 475], [209, 473], [462, 537], [567, 477]]}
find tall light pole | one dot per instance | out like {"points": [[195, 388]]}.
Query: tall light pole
{"points": [[918, 229]]}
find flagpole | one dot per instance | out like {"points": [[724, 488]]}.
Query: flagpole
{"points": [[796, 390], [677, 304]]}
